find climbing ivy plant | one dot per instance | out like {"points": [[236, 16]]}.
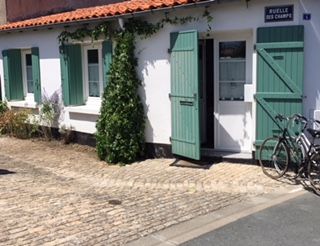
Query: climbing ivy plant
{"points": [[139, 27], [120, 127]]}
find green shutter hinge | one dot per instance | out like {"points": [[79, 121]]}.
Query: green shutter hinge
{"points": [[169, 51], [255, 47], [170, 139]]}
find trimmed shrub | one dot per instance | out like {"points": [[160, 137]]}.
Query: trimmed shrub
{"points": [[120, 127]]}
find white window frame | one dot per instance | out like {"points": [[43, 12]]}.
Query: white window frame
{"points": [[85, 48], [244, 60], [28, 96]]}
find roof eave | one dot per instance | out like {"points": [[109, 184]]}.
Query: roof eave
{"points": [[107, 18]]}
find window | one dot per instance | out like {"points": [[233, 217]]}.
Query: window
{"points": [[93, 72], [22, 74], [84, 72], [232, 70], [27, 74]]}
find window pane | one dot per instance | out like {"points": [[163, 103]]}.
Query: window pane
{"points": [[28, 60], [29, 73], [94, 89], [93, 56], [232, 70], [231, 91], [29, 79], [93, 73], [235, 49]]}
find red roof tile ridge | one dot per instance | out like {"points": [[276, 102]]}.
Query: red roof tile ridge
{"points": [[109, 10]]}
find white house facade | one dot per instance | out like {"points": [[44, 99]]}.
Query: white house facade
{"points": [[203, 89]]}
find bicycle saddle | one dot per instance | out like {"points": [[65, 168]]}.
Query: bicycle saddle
{"points": [[314, 133]]}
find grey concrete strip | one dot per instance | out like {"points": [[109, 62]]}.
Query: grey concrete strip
{"points": [[188, 230]]}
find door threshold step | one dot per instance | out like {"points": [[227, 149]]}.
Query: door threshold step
{"points": [[226, 154]]}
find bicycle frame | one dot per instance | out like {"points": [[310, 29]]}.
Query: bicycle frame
{"points": [[295, 146], [300, 147]]}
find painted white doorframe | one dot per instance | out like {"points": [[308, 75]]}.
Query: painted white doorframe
{"points": [[233, 120]]}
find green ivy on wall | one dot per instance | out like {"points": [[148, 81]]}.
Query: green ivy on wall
{"points": [[139, 27]]}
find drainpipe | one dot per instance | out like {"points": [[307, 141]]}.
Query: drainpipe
{"points": [[121, 23]]}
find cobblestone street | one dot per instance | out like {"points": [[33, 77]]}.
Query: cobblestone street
{"points": [[53, 194]]}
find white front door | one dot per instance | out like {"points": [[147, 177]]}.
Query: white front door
{"points": [[233, 119]]}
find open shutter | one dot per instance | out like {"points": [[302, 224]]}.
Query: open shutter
{"points": [[107, 59], [36, 74], [13, 74], [71, 74], [184, 95], [279, 76]]}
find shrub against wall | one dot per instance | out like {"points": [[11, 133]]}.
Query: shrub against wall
{"points": [[120, 127], [15, 123]]}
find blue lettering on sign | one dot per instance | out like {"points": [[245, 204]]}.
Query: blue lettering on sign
{"points": [[307, 16], [278, 13]]}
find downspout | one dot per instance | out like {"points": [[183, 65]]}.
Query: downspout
{"points": [[121, 23]]}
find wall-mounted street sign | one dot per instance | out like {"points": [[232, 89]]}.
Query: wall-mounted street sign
{"points": [[278, 13]]}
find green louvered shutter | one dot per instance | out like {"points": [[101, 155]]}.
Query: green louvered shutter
{"points": [[107, 59], [185, 136], [71, 74], [12, 68], [36, 74], [280, 66]]}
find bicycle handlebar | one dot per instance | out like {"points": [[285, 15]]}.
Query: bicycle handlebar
{"points": [[294, 116], [297, 118]]}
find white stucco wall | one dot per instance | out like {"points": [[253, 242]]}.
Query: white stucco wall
{"points": [[48, 51], [154, 60], [312, 55]]}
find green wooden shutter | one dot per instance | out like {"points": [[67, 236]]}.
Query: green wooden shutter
{"points": [[279, 76], [12, 68], [107, 59], [36, 74], [184, 95], [71, 74]]}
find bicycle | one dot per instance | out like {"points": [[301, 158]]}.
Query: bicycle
{"points": [[276, 153]]}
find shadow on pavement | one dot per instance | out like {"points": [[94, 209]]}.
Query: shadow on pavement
{"points": [[5, 172], [191, 164]]}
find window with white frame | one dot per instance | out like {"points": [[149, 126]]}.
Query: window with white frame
{"points": [[92, 67], [84, 72], [232, 70], [21, 75], [27, 74]]}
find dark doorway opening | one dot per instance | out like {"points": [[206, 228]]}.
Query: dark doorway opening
{"points": [[206, 74]]}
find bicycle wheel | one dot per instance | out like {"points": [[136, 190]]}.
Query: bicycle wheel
{"points": [[274, 157], [314, 172]]}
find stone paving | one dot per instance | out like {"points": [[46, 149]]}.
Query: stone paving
{"points": [[53, 194]]}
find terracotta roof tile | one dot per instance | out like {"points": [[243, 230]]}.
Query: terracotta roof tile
{"points": [[109, 10]]}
